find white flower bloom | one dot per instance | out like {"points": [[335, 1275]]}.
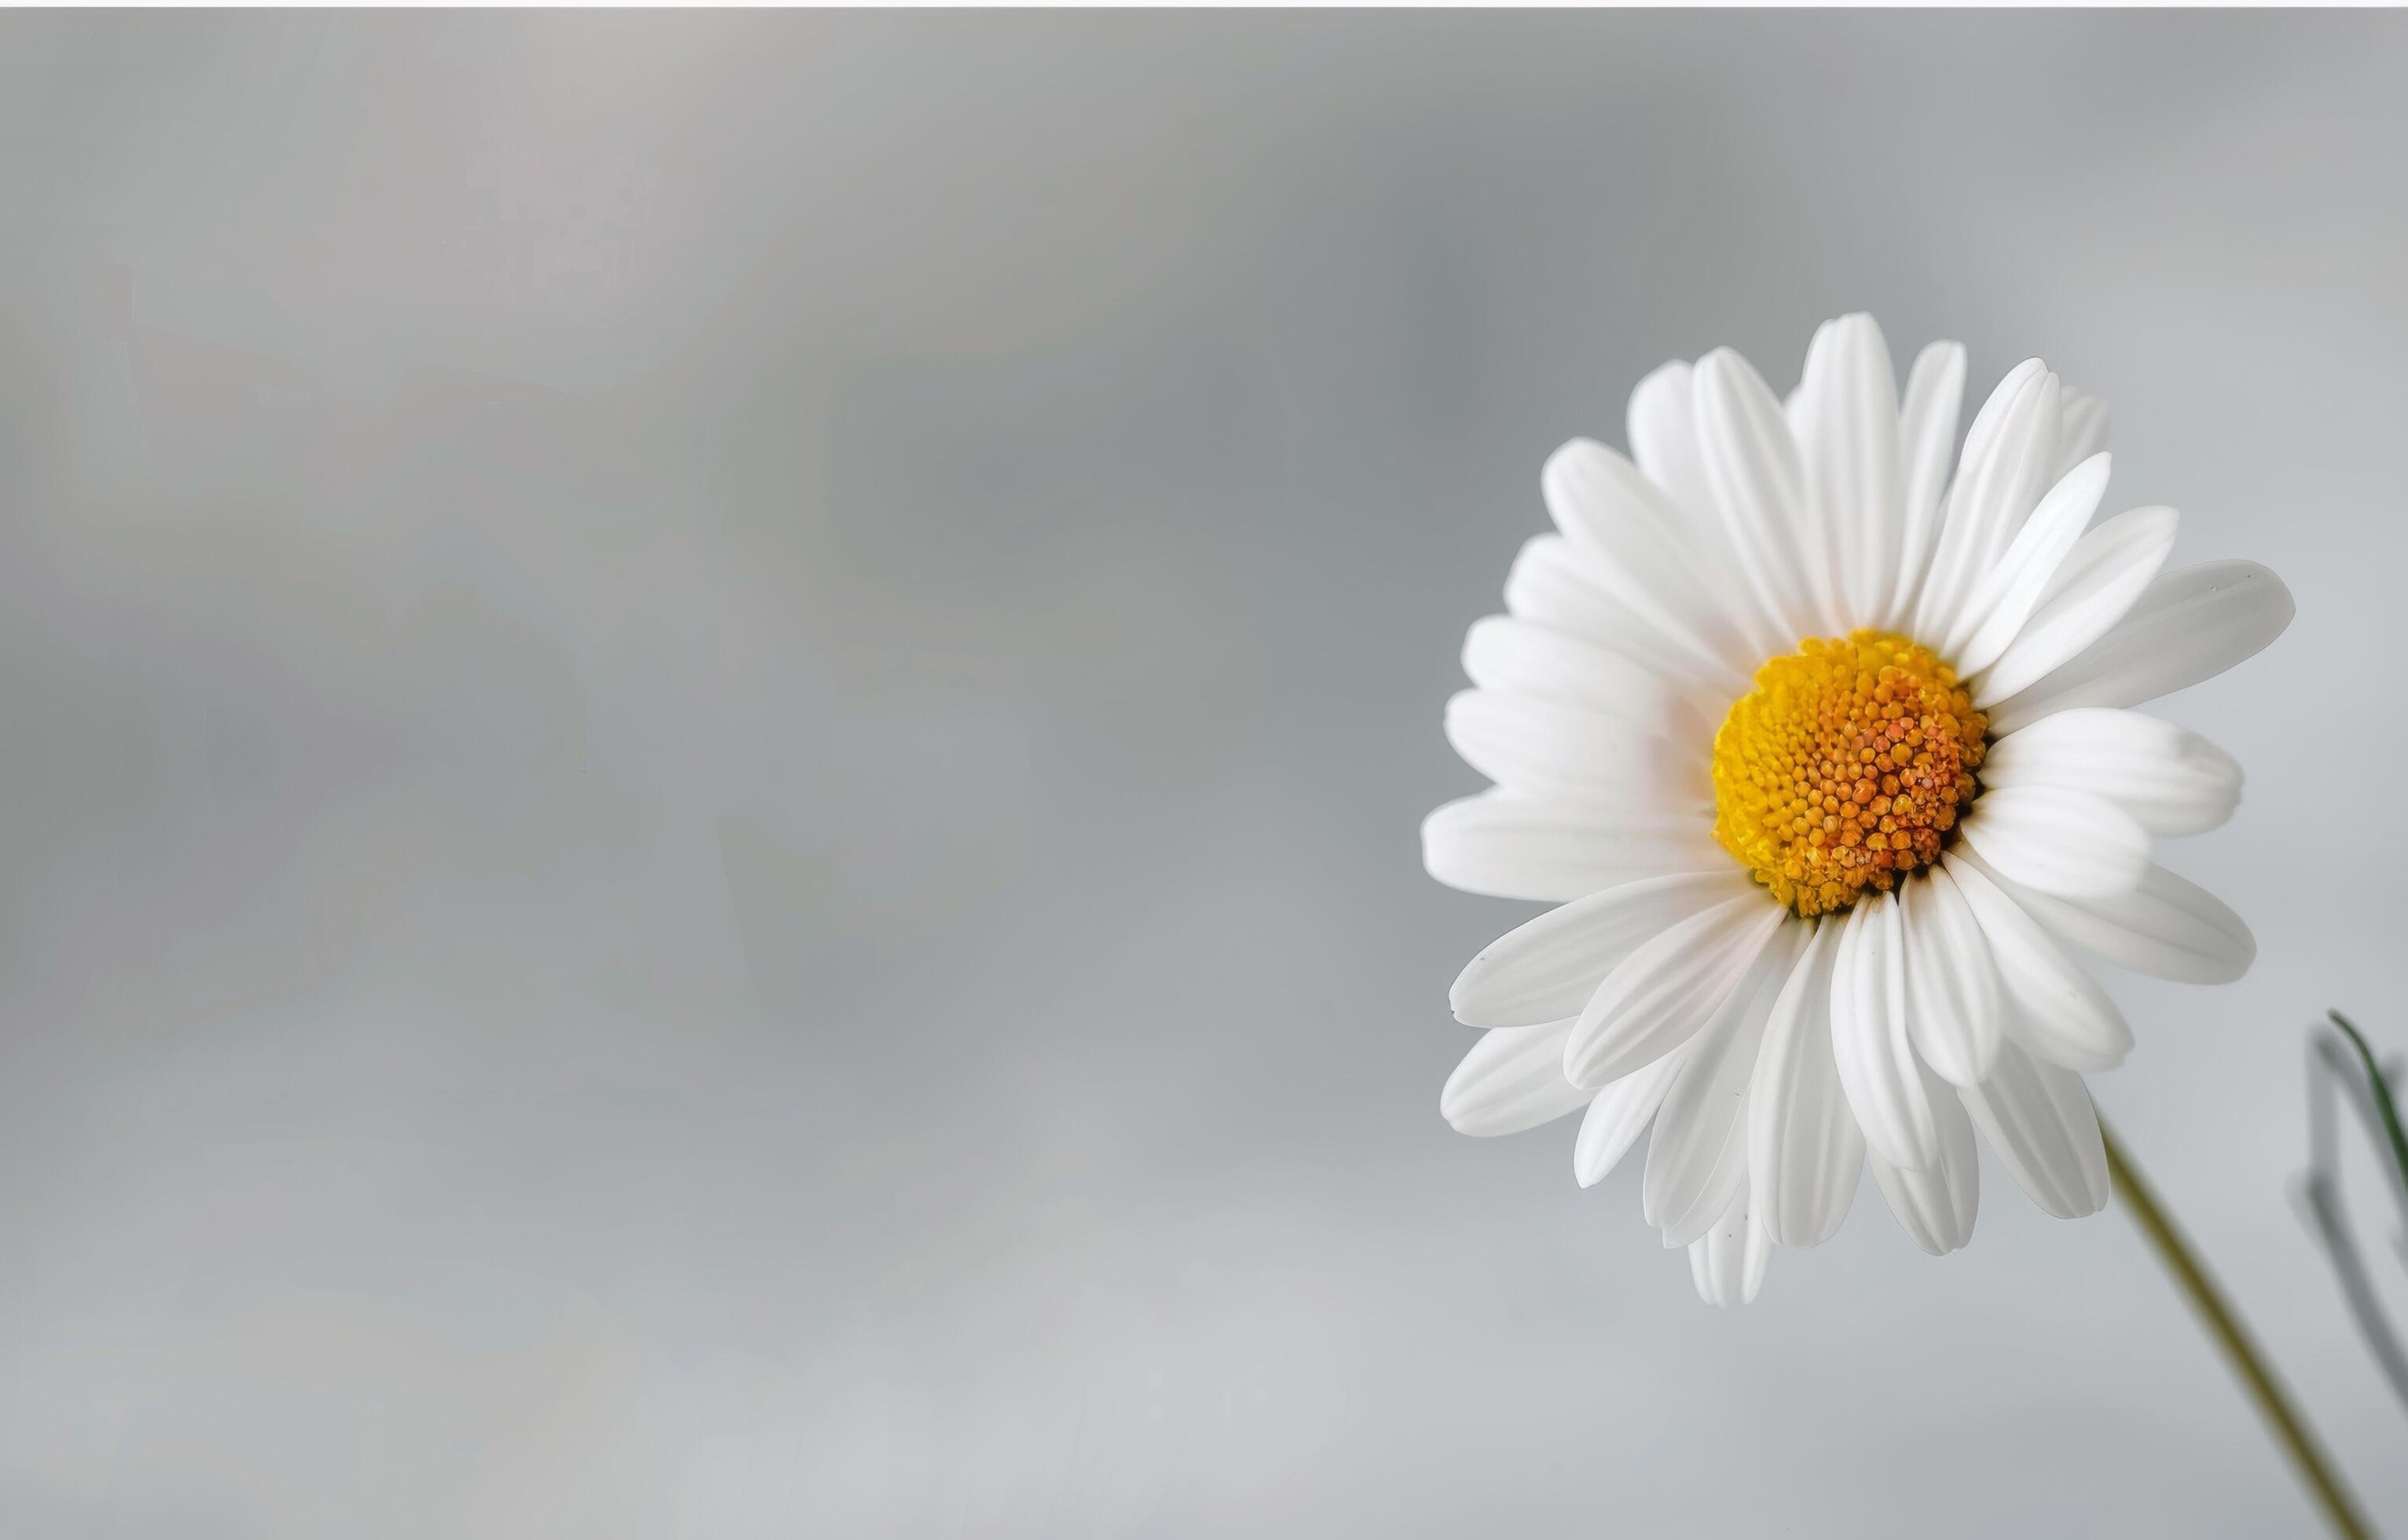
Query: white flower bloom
{"points": [[1828, 758]]}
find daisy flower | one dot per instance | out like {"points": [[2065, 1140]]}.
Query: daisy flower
{"points": [[1829, 759]]}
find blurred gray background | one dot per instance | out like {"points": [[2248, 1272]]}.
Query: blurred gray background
{"points": [[716, 724]]}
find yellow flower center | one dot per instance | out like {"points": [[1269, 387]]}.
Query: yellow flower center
{"points": [[1845, 767]]}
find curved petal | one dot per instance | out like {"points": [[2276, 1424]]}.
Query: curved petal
{"points": [[1552, 750], [1953, 990], [1511, 1081], [1758, 484], [2038, 1117], [1663, 433], [2168, 778], [1848, 440], [2189, 624], [2168, 927], [1559, 586], [1506, 655], [1663, 428], [1547, 967], [1805, 1150], [1927, 437], [2006, 594], [2081, 429], [1990, 418], [1632, 534], [1699, 1155], [1936, 1205], [1727, 1262], [1868, 1038], [1619, 1114], [1659, 996], [2008, 454], [2101, 578], [2055, 1009], [1508, 845], [2057, 840]]}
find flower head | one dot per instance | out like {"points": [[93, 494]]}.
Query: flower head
{"points": [[1828, 756]]}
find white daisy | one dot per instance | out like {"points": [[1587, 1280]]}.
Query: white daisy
{"points": [[1828, 758]]}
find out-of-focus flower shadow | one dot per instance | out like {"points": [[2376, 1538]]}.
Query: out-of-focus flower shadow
{"points": [[2342, 1072]]}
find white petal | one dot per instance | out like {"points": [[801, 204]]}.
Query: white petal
{"points": [[1805, 1150], [1511, 1081], [2009, 452], [1868, 1037], [1664, 444], [1759, 490], [1699, 1155], [2004, 600], [1547, 967], [1619, 1115], [2189, 624], [1510, 656], [1663, 433], [1927, 437], [2038, 1118], [1728, 1175], [1659, 996], [1561, 586], [1509, 845], [2168, 778], [2168, 927], [2057, 840], [1990, 419], [1727, 1262], [1553, 750], [1848, 439], [1633, 535], [1952, 984], [2101, 578], [2081, 429], [1936, 1205], [2056, 1008]]}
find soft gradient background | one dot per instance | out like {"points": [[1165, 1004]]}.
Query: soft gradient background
{"points": [[716, 727]]}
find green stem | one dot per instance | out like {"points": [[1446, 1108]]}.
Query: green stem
{"points": [[2215, 1313], [2382, 1089]]}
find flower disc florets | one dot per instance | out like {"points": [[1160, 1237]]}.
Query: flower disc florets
{"points": [[1845, 767]]}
